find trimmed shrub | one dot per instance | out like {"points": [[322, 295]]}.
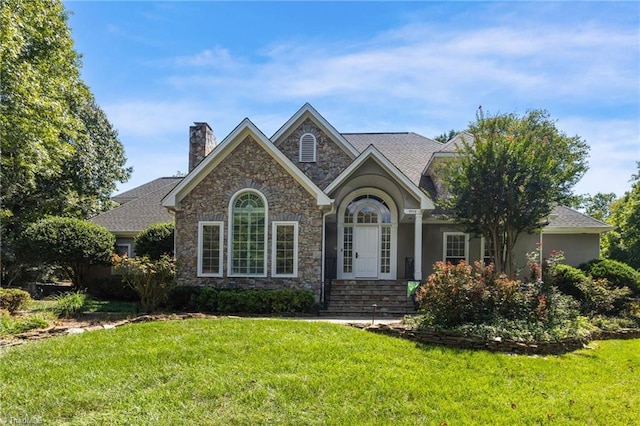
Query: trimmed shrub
{"points": [[618, 274], [249, 301], [184, 298], [568, 280], [207, 299], [13, 299], [70, 305], [72, 244], [155, 241]]}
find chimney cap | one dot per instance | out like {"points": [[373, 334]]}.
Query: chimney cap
{"points": [[200, 123]]}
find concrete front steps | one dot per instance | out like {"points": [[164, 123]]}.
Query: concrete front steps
{"points": [[357, 297]]}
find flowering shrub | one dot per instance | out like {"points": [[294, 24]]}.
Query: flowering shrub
{"points": [[463, 294], [152, 280], [454, 294]]}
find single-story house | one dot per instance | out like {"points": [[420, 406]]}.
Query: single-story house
{"points": [[349, 216]]}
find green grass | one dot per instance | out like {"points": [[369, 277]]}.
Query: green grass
{"points": [[242, 371]]}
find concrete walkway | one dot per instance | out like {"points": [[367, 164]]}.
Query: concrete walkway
{"points": [[352, 320]]}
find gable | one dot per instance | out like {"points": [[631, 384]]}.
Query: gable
{"points": [[371, 163], [408, 151], [308, 112], [250, 166], [329, 158], [246, 131]]}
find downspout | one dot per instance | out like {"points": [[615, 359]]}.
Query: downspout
{"points": [[324, 220]]}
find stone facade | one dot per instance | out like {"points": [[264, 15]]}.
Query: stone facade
{"points": [[250, 166], [330, 158]]}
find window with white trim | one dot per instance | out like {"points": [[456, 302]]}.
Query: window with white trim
{"points": [[455, 247], [210, 249], [307, 148], [123, 249], [248, 235], [284, 262]]}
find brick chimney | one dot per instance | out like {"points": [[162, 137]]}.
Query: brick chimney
{"points": [[201, 143]]}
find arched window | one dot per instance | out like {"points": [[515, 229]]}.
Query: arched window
{"points": [[307, 148], [248, 234]]}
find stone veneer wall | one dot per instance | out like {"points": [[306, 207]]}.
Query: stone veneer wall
{"points": [[249, 166], [330, 158]]}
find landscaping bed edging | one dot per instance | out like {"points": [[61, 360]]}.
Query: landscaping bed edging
{"points": [[456, 340]]}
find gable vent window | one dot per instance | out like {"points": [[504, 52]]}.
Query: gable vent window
{"points": [[307, 148]]}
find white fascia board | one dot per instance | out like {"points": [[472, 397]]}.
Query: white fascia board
{"points": [[372, 152], [308, 110], [576, 230], [226, 147]]}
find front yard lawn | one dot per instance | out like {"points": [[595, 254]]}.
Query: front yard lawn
{"points": [[243, 371]]}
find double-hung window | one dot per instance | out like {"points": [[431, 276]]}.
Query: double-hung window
{"points": [[210, 249], [284, 262], [455, 247]]}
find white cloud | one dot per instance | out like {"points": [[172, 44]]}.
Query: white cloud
{"points": [[440, 68], [420, 77], [214, 57]]}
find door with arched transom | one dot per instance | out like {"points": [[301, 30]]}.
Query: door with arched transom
{"points": [[367, 237]]}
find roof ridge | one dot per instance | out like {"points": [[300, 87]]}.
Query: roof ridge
{"points": [[378, 133]]}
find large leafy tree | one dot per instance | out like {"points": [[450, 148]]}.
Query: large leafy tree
{"points": [[507, 180], [623, 243], [597, 206], [60, 155], [72, 244]]}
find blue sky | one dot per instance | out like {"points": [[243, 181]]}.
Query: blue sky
{"points": [[156, 67]]}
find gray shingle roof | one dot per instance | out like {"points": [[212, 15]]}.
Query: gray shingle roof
{"points": [[455, 143], [409, 152], [142, 190], [139, 213], [564, 217]]}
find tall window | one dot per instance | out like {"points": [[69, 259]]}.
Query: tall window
{"points": [[456, 247], [307, 148], [210, 249], [285, 249], [248, 235]]}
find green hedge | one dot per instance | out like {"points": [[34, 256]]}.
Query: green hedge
{"points": [[155, 241], [250, 301], [568, 280], [617, 273]]}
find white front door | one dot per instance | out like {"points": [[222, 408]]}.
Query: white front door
{"points": [[366, 251]]}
